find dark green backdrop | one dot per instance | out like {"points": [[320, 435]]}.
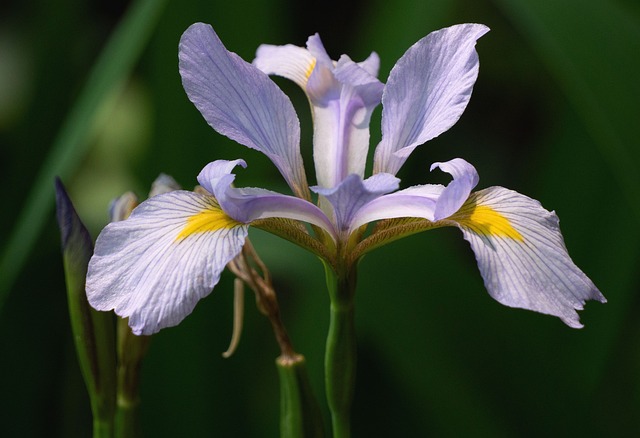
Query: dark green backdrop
{"points": [[554, 115]]}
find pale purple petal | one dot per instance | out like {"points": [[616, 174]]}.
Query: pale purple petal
{"points": [[341, 123], [248, 204], [371, 64], [465, 178], [341, 137], [427, 91], [353, 193], [317, 50], [342, 95], [522, 256], [216, 178], [241, 102], [367, 86], [153, 269], [322, 85], [416, 201]]}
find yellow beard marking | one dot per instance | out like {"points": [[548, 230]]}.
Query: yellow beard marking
{"points": [[208, 220], [310, 69], [485, 221]]}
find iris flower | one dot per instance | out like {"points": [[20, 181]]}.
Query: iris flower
{"points": [[155, 266]]}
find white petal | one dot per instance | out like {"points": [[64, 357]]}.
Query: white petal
{"points": [[340, 138], [291, 62], [155, 266], [522, 256]]}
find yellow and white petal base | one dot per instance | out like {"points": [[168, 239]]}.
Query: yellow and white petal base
{"points": [[291, 62], [522, 256], [155, 266]]}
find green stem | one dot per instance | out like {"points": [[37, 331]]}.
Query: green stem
{"points": [[131, 351], [126, 421], [300, 415], [340, 354], [102, 428]]}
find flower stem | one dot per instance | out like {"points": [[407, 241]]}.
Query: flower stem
{"points": [[340, 354], [131, 351], [300, 415], [102, 428]]}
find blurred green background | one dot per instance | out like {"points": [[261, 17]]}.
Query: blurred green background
{"points": [[554, 115]]}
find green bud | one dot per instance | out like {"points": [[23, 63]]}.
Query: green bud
{"points": [[93, 331]]}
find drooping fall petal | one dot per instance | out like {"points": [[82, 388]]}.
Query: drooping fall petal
{"points": [[522, 256], [155, 266]]}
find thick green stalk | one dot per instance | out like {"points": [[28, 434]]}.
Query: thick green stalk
{"points": [[300, 415], [340, 354]]}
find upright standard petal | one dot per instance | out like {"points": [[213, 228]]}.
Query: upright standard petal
{"points": [[343, 98], [427, 92], [341, 134], [155, 266], [291, 62], [241, 102], [342, 95], [522, 256]]}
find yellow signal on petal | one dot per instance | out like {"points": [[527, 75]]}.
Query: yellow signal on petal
{"points": [[310, 69], [485, 221], [208, 220]]}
